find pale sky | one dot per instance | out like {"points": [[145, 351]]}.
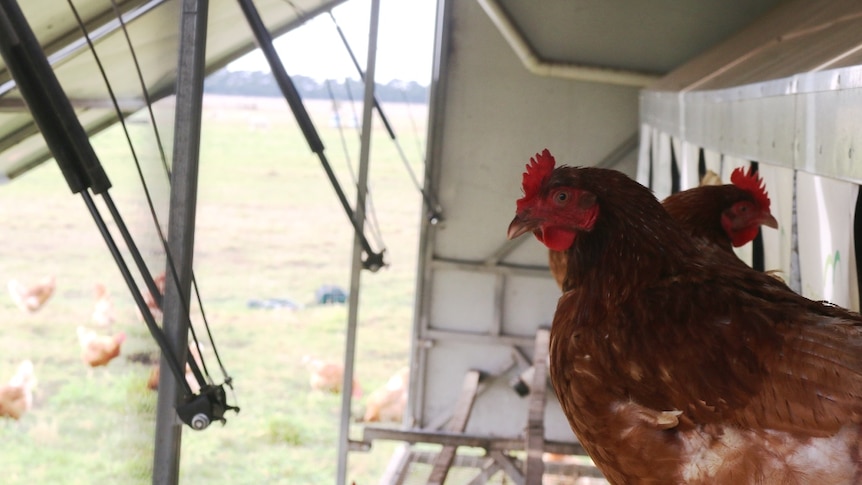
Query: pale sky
{"points": [[404, 43]]}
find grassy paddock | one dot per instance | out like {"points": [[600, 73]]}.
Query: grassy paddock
{"points": [[268, 226]]}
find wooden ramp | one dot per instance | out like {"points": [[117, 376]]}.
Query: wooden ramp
{"points": [[456, 425], [501, 454]]}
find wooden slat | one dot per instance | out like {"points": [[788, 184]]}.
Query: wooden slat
{"points": [[510, 466], [399, 463], [371, 433], [565, 468], [535, 434], [456, 424], [485, 473]]}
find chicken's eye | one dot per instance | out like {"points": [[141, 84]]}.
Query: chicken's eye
{"points": [[561, 197]]}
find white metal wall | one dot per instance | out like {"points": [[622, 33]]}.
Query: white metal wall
{"points": [[804, 140], [785, 92], [474, 309]]}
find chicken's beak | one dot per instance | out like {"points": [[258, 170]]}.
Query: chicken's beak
{"points": [[768, 220], [521, 225]]}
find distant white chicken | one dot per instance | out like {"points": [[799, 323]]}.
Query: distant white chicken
{"points": [[16, 396], [388, 402], [150, 300], [328, 376], [103, 313], [97, 350], [33, 298]]}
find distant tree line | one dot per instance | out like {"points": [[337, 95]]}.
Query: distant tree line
{"points": [[247, 83]]}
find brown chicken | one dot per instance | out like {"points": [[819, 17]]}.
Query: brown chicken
{"points": [[32, 298], [727, 216], [388, 402], [103, 312], [673, 366], [16, 396], [328, 376], [97, 350]]}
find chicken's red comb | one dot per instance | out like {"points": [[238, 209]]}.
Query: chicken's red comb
{"points": [[539, 168], [753, 183]]}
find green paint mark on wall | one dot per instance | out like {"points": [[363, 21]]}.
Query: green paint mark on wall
{"points": [[832, 261]]}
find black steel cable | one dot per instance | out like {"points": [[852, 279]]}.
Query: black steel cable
{"points": [[430, 201], [420, 150], [371, 213], [153, 290], [164, 160]]}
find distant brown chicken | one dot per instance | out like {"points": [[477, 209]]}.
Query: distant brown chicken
{"points": [[328, 376], [16, 396], [388, 402], [97, 350], [31, 299], [151, 301], [103, 312], [155, 372]]}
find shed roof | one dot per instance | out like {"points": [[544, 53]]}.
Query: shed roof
{"points": [[152, 27]]}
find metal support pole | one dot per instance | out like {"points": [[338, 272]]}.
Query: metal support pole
{"points": [[181, 226], [356, 270]]}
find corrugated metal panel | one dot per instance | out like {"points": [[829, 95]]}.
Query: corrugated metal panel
{"points": [[786, 92], [654, 36], [808, 122], [153, 27], [801, 33], [818, 49]]}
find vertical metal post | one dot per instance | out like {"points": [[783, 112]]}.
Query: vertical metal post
{"points": [[415, 412], [356, 270], [181, 226]]}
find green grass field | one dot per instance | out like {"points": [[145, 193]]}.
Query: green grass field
{"points": [[268, 226]]}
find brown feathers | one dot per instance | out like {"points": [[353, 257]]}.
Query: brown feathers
{"points": [[720, 215]]}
